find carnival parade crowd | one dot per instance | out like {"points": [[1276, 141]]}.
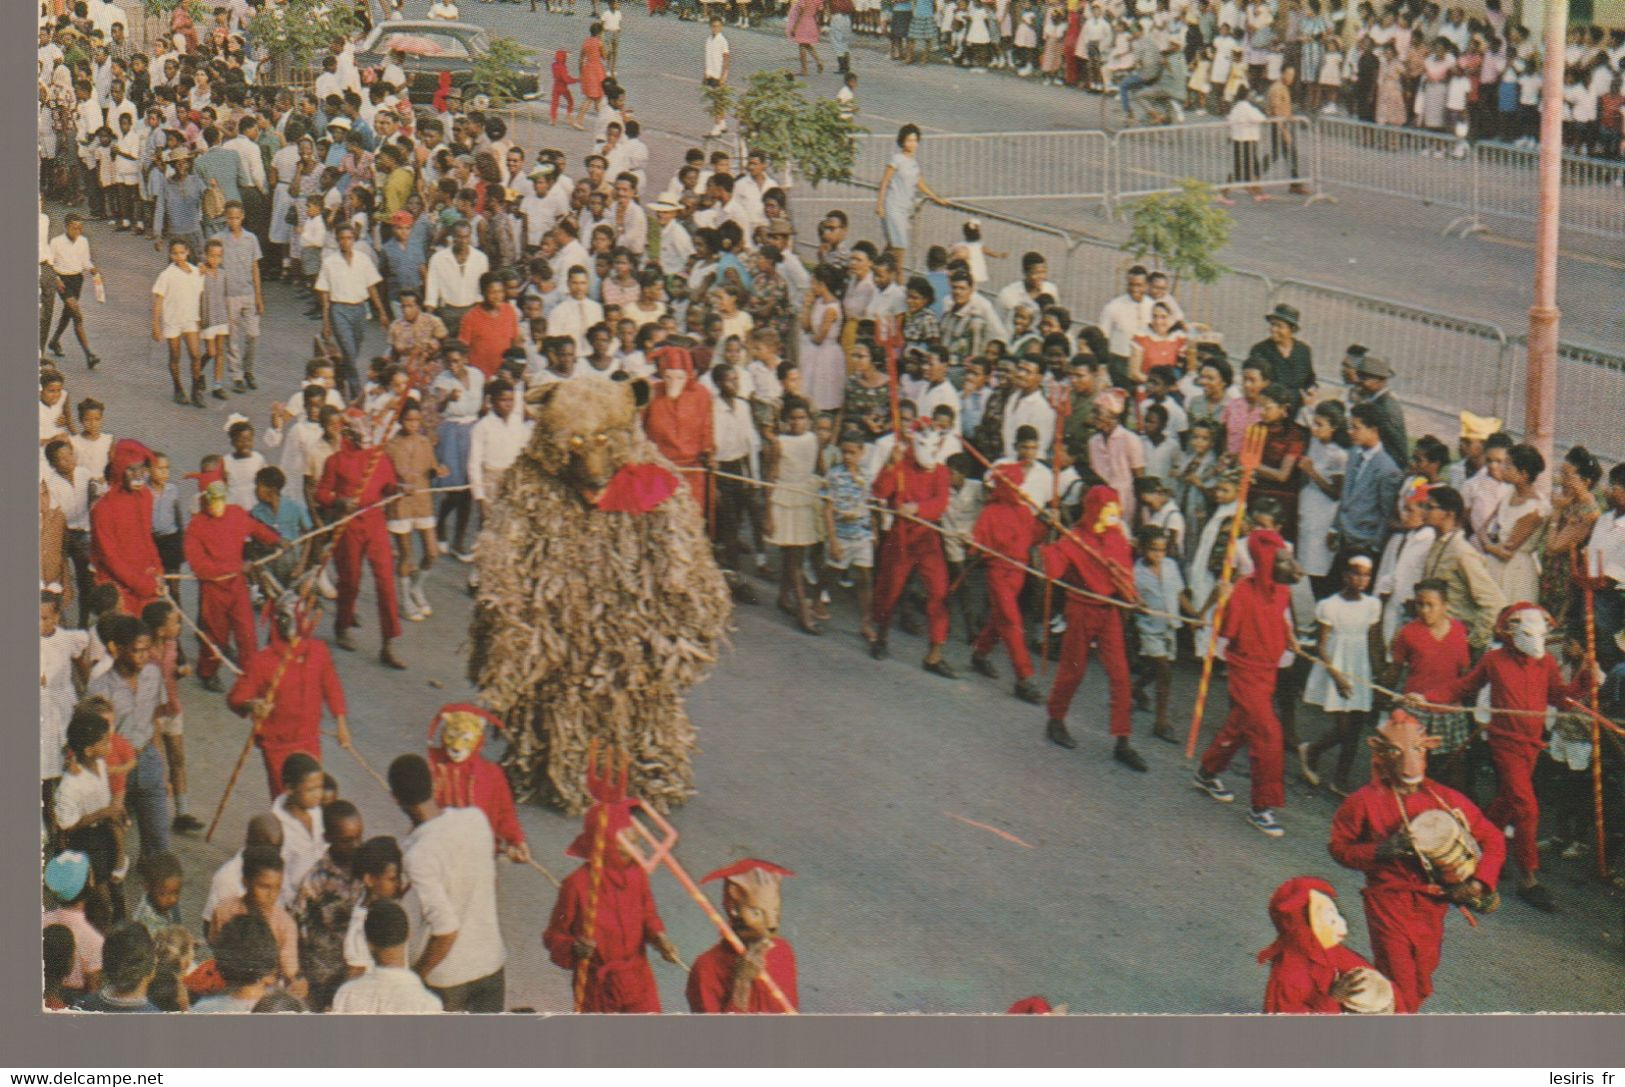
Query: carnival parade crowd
{"points": [[864, 420]]}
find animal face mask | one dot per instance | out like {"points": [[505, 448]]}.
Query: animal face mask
{"points": [[1110, 514], [1529, 629], [460, 734], [1325, 921]]}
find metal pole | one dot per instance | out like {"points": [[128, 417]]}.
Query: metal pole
{"points": [[1540, 390]]}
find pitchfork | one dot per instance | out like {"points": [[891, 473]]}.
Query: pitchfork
{"points": [[1252, 455]]}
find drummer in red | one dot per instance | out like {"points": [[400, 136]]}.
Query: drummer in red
{"points": [[1258, 632], [1522, 676], [722, 980], [1311, 971], [1009, 531], [1404, 911], [1095, 556]]}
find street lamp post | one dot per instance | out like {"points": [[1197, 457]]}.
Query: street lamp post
{"points": [[1540, 389]]}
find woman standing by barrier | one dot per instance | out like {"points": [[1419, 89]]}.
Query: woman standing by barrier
{"points": [[895, 202]]}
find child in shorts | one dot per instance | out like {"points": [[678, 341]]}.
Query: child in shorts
{"points": [[849, 525], [164, 620], [1162, 589], [213, 312]]}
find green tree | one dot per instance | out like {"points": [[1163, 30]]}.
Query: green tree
{"points": [[814, 138], [295, 33], [499, 70], [1184, 231]]}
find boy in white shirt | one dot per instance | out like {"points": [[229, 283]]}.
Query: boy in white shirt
{"points": [[176, 307]]}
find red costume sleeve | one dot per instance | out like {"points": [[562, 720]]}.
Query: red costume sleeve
{"points": [[560, 934], [496, 797], [887, 481], [210, 550], [327, 487], [932, 489], [121, 541], [709, 981], [1291, 990], [252, 681], [1468, 686], [1349, 844], [259, 530], [652, 924], [332, 689]]}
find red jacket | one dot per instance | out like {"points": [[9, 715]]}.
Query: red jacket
{"points": [[1301, 971], [711, 980], [681, 427], [1370, 816], [214, 545], [121, 546], [309, 680], [477, 782], [1255, 620], [1106, 567], [1517, 682], [364, 476], [627, 919]]}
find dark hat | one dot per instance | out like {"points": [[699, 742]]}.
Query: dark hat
{"points": [[1372, 366], [1285, 314]]}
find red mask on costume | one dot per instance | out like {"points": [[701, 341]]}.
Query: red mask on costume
{"points": [[1400, 751], [1098, 528]]}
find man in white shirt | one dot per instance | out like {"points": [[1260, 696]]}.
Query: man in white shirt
{"points": [[1038, 483], [1033, 283], [69, 256], [389, 987], [750, 189], [293, 433], [541, 207], [449, 859], [1028, 407], [453, 284], [577, 313], [717, 62], [1125, 317], [939, 390], [496, 443], [346, 284], [676, 247], [1485, 491], [627, 216]]}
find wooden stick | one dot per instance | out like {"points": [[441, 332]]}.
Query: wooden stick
{"points": [[550, 876], [1252, 455], [1589, 583], [594, 885]]}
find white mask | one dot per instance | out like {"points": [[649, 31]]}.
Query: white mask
{"points": [[1529, 634]]}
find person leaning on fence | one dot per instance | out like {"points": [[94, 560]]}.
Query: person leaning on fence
{"points": [[1246, 128]]}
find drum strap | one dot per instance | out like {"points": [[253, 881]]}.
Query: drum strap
{"points": [[1405, 821]]}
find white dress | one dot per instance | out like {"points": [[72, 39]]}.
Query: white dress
{"points": [[1316, 509], [1401, 568], [1199, 578], [795, 502], [1519, 576], [1346, 648]]}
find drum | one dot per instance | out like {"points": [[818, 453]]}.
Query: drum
{"points": [[1446, 847], [1376, 995]]}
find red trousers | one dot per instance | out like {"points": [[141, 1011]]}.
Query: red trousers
{"points": [[1252, 721], [1515, 802], [1004, 618], [1407, 932], [227, 616], [900, 557], [561, 94], [1100, 628], [369, 541], [275, 753], [1069, 44]]}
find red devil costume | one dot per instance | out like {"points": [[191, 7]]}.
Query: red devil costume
{"points": [[214, 551], [1518, 680], [619, 978], [1257, 626], [911, 546], [1100, 567], [711, 980], [365, 477], [1302, 971], [1404, 912], [681, 426], [474, 781], [295, 720], [1009, 530], [121, 546]]}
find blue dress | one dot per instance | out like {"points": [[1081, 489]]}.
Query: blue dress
{"points": [[899, 203]]}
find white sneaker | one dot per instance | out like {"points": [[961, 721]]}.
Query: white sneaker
{"points": [[324, 585]]}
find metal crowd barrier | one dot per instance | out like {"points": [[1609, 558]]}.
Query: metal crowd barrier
{"points": [[1159, 159], [1593, 199]]}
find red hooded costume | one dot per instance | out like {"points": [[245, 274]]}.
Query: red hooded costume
{"points": [[681, 426], [711, 980], [121, 546], [214, 551], [1257, 625], [475, 781], [1009, 528], [1101, 568], [619, 978], [562, 79], [1516, 681], [295, 720], [364, 476], [909, 546], [1301, 970], [1403, 911]]}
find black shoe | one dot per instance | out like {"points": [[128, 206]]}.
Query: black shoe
{"points": [[387, 657], [56, 348], [92, 361], [1129, 757], [211, 684], [180, 398], [1056, 733], [344, 640], [982, 666], [219, 394], [1165, 734], [238, 386], [248, 379], [878, 650], [743, 594], [197, 399], [1028, 691], [1539, 897], [941, 668], [186, 824]]}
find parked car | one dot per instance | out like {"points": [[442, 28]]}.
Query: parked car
{"points": [[430, 47]]}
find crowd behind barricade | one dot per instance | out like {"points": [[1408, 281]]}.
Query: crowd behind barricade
{"points": [[950, 451]]}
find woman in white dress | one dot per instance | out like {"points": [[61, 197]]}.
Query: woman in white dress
{"points": [[823, 360], [1404, 559], [1343, 690], [1208, 558], [1515, 537], [794, 517], [1323, 468]]}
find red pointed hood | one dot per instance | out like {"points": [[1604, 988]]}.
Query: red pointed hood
{"points": [[1109, 540], [672, 358], [619, 814], [1289, 910], [1262, 547], [127, 453], [1006, 524]]}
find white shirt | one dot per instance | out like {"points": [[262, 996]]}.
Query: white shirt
{"points": [[347, 282], [181, 288], [386, 990], [1039, 482], [748, 192], [1122, 319], [1016, 294], [716, 51], [573, 317], [733, 428], [57, 697], [292, 438], [82, 793], [72, 496], [454, 283], [301, 848], [1030, 409], [1483, 496], [253, 162], [443, 9], [540, 213], [495, 444], [937, 395], [633, 232], [1606, 548], [451, 862], [1246, 122], [93, 453], [70, 257], [676, 247], [227, 883]]}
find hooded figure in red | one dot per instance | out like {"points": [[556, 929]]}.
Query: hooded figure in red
{"points": [[1258, 631], [562, 79], [1405, 908], [619, 979], [678, 420], [1098, 560], [358, 478], [723, 980], [1010, 531], [121, 546], [1521, 675], [293, 721], [464, 778], [908, 487], [216, 537], [1311, 971]]}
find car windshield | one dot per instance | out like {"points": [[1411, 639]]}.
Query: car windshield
{"points": [[480, 43], [423, 43]]}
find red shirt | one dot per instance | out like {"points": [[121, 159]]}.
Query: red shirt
{"points": [[1432, 662], [711, 980], [363, 475], [214, 545], [681, 427], [308, 681], [1370, 816], [488, 335], [121, 547]]}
